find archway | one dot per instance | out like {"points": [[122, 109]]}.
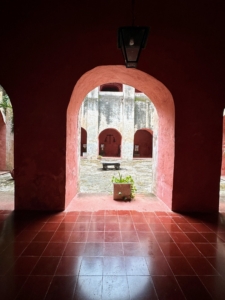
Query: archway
{"points": [[161, 98], [109, 142], [143, 143], [6, 152]]}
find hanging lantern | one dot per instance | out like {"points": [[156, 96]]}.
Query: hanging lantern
{"points": [[132, 40]]}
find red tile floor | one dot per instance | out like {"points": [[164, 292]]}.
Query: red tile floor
{"points": [[111, 254]]}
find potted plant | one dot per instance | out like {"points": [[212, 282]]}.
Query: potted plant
{"points": [[123, 188]]}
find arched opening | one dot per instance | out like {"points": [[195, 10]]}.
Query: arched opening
{"points": [[111, 87], [163, 102], [6, 152], [110, 143], [143, 143], [83, 142]]}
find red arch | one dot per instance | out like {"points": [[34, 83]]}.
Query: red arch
{"points": [[111, 139], [143, 138], [161, 98]]}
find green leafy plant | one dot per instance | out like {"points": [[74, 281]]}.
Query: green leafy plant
{"points": [[126, 179]]}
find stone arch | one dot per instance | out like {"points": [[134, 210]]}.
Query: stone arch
{"points": [[163, 102], [143, 139], [110, 142]]}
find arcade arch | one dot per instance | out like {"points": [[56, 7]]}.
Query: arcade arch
{"points": [[163, 102]]}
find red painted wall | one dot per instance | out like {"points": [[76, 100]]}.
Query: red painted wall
{"points": [[42, 61], [2, 144], [143, 139], [111, 139]]}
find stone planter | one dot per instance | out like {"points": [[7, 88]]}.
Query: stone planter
{"points": [[122, 191]]}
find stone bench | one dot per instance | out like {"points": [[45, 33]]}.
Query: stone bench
{"points": [[116, 164]]}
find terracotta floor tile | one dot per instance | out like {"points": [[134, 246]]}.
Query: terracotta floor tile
{"points": [[207, 249], [180, 237], [78, 236], [163, 237], [62, 287], [113, 249], [196, 237], [129, 236], [170, 249], [70, 218], [69, 265], [212, 237], [139, 219], [201, 227], [158, 265], [54, 249], [91, 266], [35, 288], [60, 237], [83, 219], [166, 219], [167, 288], [169, 227], [97, 226], [115, 287], [66, 226], [93, 249], [10, 288], [24, 265], [158, 227], [114, 265], [34, 249], [43, 236], [97, 219], [74, 249], [26, 236], [218, 264], [151, 248], [113, 236], [127, 227], [141, 288], [189, 249], [185, 227], [179, 219], [112, 227], [46, 266], [136, 266], [111, 219], [50, 226], [88, 287], [81, 226], [95, 236], [180, 266], [142, 227], [197, 290], [201, 266], [132, 249], [215, 285]]}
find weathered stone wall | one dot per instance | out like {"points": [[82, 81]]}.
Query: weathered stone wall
{"points": [[142, 112], [125, 111]]}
